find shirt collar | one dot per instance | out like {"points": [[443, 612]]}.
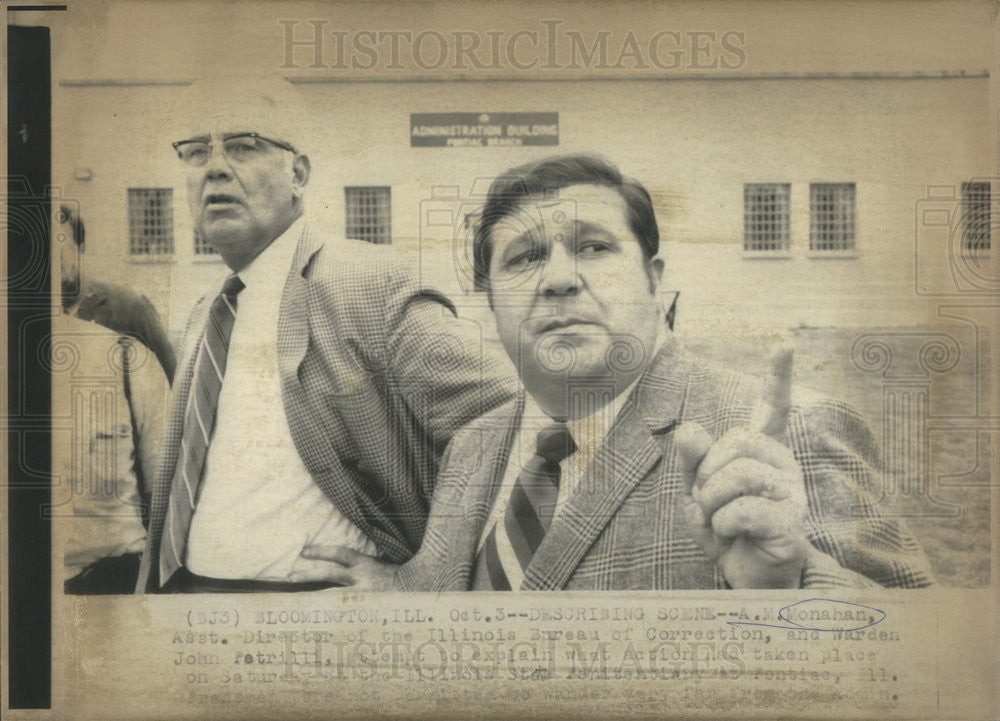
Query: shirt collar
{"points": [[270, 267]]}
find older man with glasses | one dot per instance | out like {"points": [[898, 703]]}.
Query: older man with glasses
{"points": [[317, 384]]}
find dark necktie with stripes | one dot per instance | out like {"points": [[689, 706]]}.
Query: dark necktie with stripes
{"points": [[528, 515], [199, 422]]}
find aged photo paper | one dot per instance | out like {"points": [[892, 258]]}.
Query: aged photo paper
{"points": [[824, 176]]}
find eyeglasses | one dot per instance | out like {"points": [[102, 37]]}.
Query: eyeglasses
{"points": [[239, 149]]}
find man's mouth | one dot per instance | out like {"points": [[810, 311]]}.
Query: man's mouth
{"points": [[561, 323], [220, 200]]}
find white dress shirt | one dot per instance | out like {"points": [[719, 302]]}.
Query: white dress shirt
{"points": [[258, 505]]}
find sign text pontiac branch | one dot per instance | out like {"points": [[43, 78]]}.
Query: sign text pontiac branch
{"points": [[449, 130]]}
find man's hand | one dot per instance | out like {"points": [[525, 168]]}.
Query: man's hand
{"points": [[354, 571], [744, 495]]}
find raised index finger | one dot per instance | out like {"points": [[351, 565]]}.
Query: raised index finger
{"points": [[770, 417]]}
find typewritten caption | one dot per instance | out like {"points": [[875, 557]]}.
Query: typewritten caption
{"points": [[809, 654]]}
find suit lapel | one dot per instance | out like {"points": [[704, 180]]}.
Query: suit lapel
{"points": [[293, 315], [633, 446], [495, 441], [192, 339], [195, 331], [170, 446]]}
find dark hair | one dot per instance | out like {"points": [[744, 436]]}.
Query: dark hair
{"points": [[68, 215], [542, 177]]}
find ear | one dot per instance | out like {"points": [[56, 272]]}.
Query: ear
{"points": [[300, 174], [654, 273]]}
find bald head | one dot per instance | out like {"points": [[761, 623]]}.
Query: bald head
{"points": [[267, 104]]}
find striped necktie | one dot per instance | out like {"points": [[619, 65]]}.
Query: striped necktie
{"points": [[199, 422], [528, 515]]}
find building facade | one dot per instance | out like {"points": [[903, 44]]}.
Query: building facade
{"points": [[789, 193]]}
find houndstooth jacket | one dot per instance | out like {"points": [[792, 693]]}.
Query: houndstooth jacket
{"points": [[623, 527], [376, 376]]}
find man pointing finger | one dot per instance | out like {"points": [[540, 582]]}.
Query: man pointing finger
{"points": [[629, 463], [744, 495]]}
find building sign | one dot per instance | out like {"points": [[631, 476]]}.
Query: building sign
{"points": [[450, 130]]}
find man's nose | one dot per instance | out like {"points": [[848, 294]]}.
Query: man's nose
{"points": [[560, 274], [218, 165]]}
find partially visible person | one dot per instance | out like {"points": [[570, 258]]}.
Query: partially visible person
{"points": [[108, 304], [113, 393]]}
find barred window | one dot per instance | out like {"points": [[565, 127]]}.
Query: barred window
{"points": [[831, 224], [368, 214], [202, 246], [976, 216], [765, 216], [150, 221]]}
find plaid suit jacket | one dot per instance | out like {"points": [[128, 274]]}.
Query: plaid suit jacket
{"points": [[623, 527], [376, 376]]}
